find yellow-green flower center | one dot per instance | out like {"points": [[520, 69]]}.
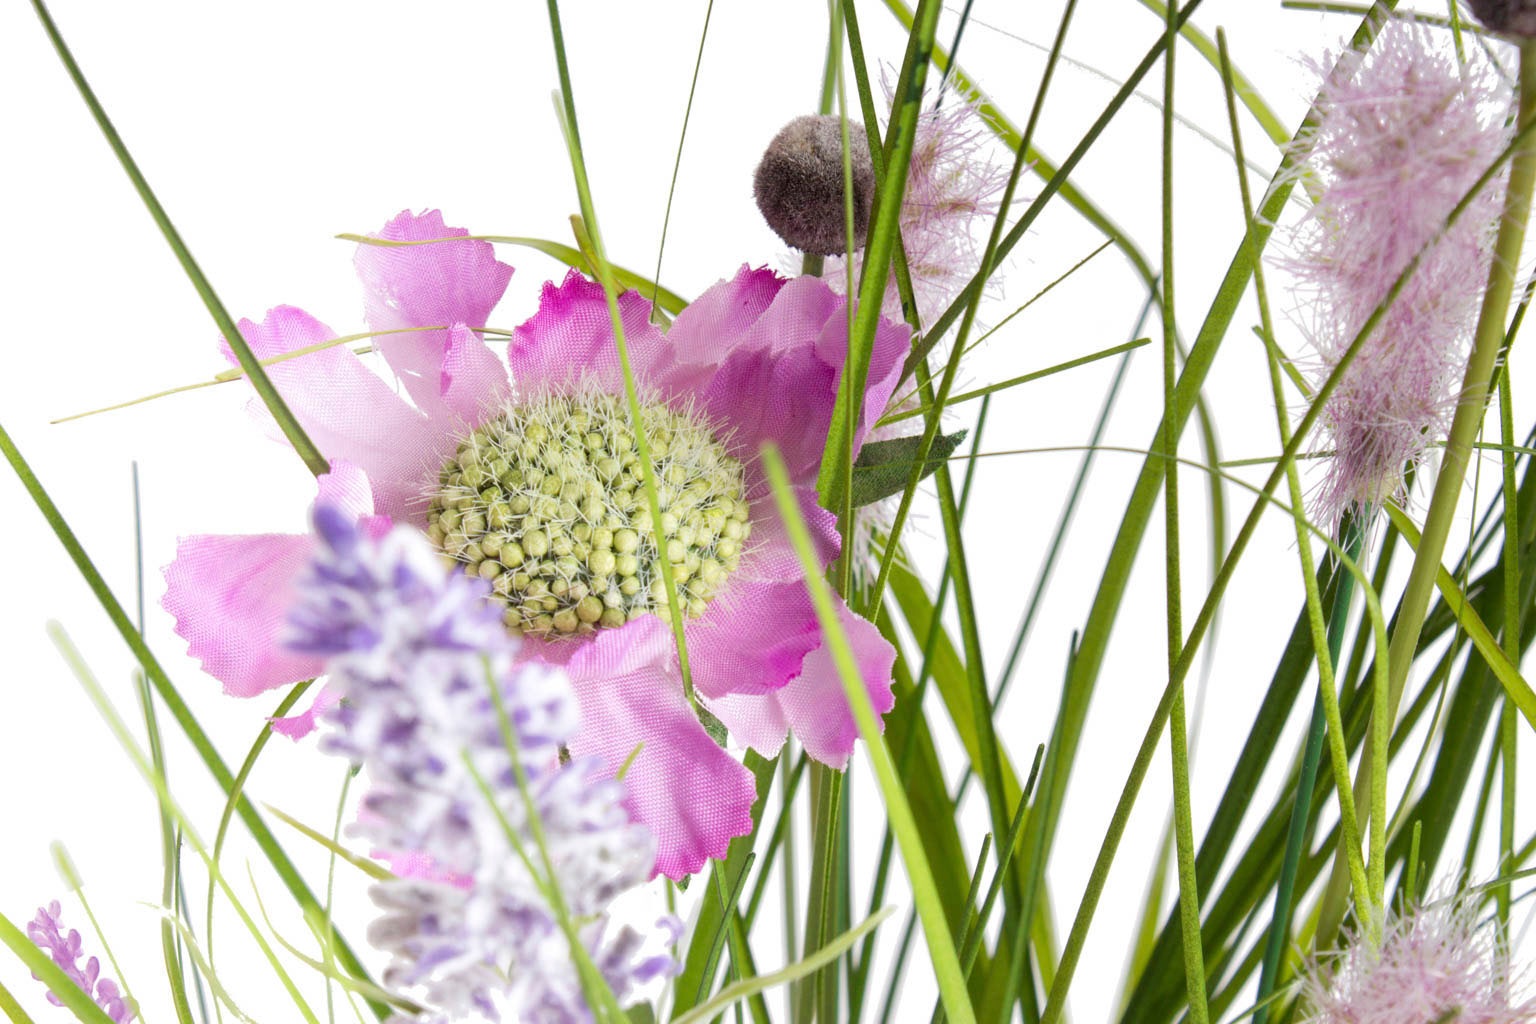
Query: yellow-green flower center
{"points": [[547, 502]]}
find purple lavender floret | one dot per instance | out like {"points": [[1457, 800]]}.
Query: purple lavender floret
{"points": [[47, 930], [410, 647]]}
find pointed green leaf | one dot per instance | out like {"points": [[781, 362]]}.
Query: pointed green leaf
{"points": [[882, 467]]}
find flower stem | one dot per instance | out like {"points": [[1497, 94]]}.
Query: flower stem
{"points": [[1511, 639], [1487, 342]]}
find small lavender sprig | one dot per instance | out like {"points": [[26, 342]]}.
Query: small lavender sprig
{"points": [[47, 930], [1403, 133], [409, 649]]}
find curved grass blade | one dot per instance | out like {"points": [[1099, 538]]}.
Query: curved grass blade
{"points": [[174, 704]]}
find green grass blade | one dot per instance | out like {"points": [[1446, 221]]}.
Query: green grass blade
{"points": [[168, 694], [941, 946], [51, 974], [248, 362], [743, 989]]}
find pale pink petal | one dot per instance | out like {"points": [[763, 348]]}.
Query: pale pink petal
{"points": [[754, 720], [230, 597], [814, 702], [442, 284], [569, 341], [752, 638], [694, 796], [296, 727], [471, 386], [348, 411]]}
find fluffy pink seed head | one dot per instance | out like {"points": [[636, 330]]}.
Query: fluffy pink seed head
{"points": [[1404, 132], [954, 186], [1438, 962]]}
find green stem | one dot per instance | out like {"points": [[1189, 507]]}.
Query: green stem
{"points": [[1487, 342], [1511, 643], [1178, 740]]}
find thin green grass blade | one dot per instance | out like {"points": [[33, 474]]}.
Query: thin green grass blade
{"points": [[374, 870], [141, 762], [743, 989], [1071, 364], [284, 417], [174, 704], [941, 946], [11, 1008], [1242, 87]]}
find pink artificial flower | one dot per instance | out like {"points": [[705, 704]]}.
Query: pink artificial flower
{"points": [[754, 359], [1403, 133], [1437, 962]]}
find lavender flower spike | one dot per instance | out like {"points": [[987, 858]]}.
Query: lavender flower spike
{"points": [[410, 647], [1404, 133], [47, 930], [1435, 962]]}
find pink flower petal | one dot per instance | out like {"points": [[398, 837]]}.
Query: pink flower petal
{"points": [[296, 727], [779, 382], [716, 322], [694, 796], [347, 410], [231, 596], [812, 705], [752, 639], [434, 285], [569, 341]]}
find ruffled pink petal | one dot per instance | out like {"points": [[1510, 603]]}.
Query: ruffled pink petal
{"points": [[785, 397], [892, 343], [347, 410], [752, 638], [296, 727], [779, 381], [813, 705], [569, 341], [443, 284], [716, 322], [231, 597], [770, 555], [694, 796], [473, 380]]}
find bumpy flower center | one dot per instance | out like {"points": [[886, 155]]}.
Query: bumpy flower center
{"points": [[547, 502]]}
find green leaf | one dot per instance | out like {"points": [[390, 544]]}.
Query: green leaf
{"points": [[882, 467]]}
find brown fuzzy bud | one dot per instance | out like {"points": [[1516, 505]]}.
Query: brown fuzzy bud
{"points": [[1507, 17], [799, 184]]}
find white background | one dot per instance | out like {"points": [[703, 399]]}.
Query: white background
{"points": [[268, 128]]}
